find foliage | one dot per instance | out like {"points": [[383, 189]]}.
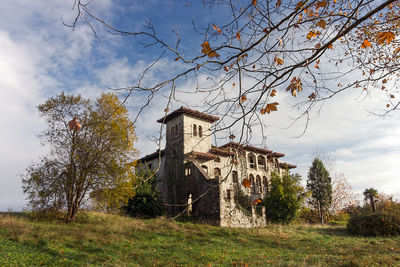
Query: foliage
{"points": [[371, 194], [106, 239], [94, 157], [146, 202], [242, 201], [342, 196], [319, 183], [375, 224], [253, 51], [284, 198]]}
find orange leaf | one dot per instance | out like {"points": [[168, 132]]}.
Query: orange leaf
{"points": [[273, 93], [366, 43], [270, 107], [330, 46], [278, 3], [278, 60], [243, 98], [312, 96], [299, 5], [391, 96], [384, 81], [383, 37], [246, 183], [226, 68], [216, 28], [311, 34], [387, 105], [177, 58], [321, 23], [208, 51], [321, 4], [254, 2], [318, 46], [238, 35]]}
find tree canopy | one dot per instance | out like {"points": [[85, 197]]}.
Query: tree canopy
{"points": [[91, 150]]}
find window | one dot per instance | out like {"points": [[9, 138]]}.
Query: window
{"points": [[265, 183], [252, 185], [176, 131], [217, 159], [252, 161], [261, 163], [235, 177], [194, 130], [217, 172], [228, 194], [200, 131], [258, 184]]}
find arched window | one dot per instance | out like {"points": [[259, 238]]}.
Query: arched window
{"points": [[200, 131], [265, 184], [205, 168], [194, 130], [261, 163], [235, 178], [258, 184], [252, 185], [217, 172], [252, 161]]}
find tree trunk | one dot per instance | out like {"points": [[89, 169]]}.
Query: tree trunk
{"points": [[321, 215], [372, 204]]}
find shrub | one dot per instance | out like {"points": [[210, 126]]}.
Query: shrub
{"points": [[375, 224], [146, 202], [242, 201]]}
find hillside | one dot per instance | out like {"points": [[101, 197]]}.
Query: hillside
{"points": [[100, 239]]}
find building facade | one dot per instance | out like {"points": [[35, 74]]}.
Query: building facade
{"points": [[205, 181]]}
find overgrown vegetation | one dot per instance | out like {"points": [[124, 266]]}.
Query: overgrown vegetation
{"points": [[110, 240], [146, 202], [242, 201], [284, 198], [375, 224]]}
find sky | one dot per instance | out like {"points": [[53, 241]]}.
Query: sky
{"points": [[40, 57]]}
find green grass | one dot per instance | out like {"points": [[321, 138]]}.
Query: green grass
{"points": [[100, 239]]}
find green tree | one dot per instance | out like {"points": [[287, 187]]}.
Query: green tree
{"points": [[91, 153], [284, 198], [147, 201], [320, 184], [371, 195]]}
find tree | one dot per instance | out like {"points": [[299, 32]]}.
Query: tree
{"points": [[251, 51], [147, 201], [342, 195], [319, 183], [371, 195], [284, 199], [93, 152]]}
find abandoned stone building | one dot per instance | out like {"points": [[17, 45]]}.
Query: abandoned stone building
{"points": [[198, 178]]}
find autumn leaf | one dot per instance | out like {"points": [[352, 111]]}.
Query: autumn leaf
{"points": [[295, 86], [243, 98], [254, 2], [246, 183], [278, 3], [321, 4], [238, 35], [280, 42], [299, 5], [273, 93], [384, 81], [387, 105], [318, 46], [330, 46], [321, 23], [391, 96], [278, 60], [208, 51], [366, 44], [312, 96], [311, 34], [226, 68], [270, 107], [383, 37], [177, 58], [216, 28]]}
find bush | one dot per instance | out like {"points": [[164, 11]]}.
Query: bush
{"points": [[147, 202], [375, 224]]}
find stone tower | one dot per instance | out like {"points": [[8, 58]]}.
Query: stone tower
{"points": [[186, 131]]}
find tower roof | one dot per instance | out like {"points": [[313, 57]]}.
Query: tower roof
{"points": [[188, 111]]}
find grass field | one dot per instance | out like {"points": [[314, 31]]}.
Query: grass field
{"points": [[100, 239]]}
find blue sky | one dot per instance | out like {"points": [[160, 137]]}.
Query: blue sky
{"points": [[39, 57]]}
